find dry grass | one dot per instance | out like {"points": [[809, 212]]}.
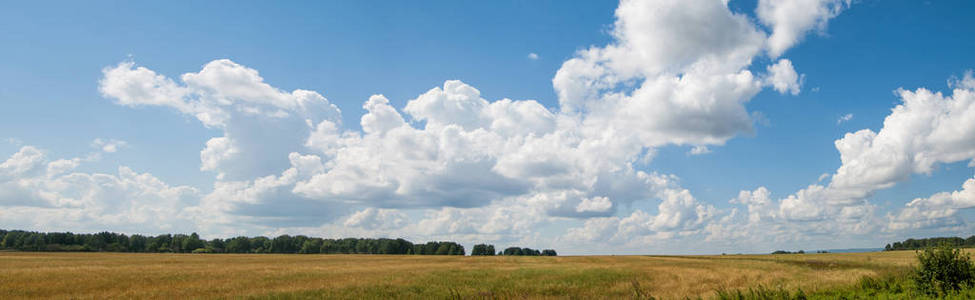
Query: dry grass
{"points": [[129, 275]]}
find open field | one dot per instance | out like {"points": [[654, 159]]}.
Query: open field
{"points": [[132, 275]]}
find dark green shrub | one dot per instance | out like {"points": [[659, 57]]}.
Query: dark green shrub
{"points": [[942, 270]]}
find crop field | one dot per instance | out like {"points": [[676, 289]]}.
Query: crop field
{"points": [[169, 276]]}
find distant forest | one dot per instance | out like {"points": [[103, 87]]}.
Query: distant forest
{"points": [[182, 243], [914, 244]]}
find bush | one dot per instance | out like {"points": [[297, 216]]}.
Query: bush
{"points": [[942, 270]]}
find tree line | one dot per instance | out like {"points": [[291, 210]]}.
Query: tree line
{"points": [[482, 249], [182, 243], [914, 244]]}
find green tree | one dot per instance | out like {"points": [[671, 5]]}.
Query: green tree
{"points": [[260, 245], [96, 242], [482, 249], [943, 269], [192, 242], [283, 244], [176, 245], [240, 244], [216, 246], [10, 240], [311, 246], [138, 243], [456, 249]]}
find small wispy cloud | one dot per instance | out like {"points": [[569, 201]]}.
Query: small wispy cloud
{"points": [[108, 145], [823, 177], [533, 56], [844, 118], [698, 150], [967, 81]]}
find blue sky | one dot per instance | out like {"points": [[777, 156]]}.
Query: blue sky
{"points": [[852, 56]]}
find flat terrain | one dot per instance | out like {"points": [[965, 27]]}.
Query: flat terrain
{"points": [[133, 275]]}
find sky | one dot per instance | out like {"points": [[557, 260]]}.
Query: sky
{"points": [[589, 127]]}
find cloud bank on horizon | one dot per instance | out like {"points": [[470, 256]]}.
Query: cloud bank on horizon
{"points": [[453, 165]]}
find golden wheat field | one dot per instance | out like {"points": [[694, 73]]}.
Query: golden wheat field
{"points": [[171, 276]]}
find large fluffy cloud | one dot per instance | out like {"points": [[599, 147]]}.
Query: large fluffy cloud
{"points": [[937, 211], [41, 193], [925, 130], [393, 164], [469, 152], [677, 214], [261, 124], [790, 20], [676, 73]]}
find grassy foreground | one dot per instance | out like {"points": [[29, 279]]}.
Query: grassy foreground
{"points": [[133, 275]]}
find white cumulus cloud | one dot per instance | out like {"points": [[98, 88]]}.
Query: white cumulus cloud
{"points": [[790, 20], [43, 194], [783, 77], [925, 130], [938, 210]]}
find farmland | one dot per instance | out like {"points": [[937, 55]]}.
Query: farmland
{"points": [[153, 275]]}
